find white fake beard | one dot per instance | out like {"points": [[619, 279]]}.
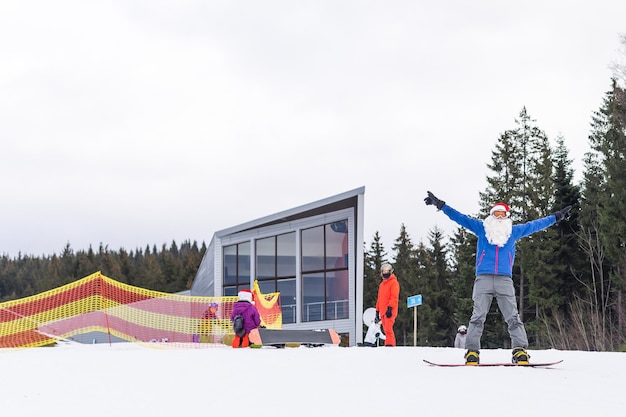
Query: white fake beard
{"points": [[498, 231]]}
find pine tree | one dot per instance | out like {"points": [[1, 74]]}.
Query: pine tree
{"points": [[558, 255], [443, 329], [421, 261], [375, 257], [568, 258], [127, 271], [407, 274], [190, 258], [596, 237], [612, 215], [522, 177]]}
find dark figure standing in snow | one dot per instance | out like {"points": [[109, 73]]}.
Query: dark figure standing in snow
{"points": [[495, 255], [461, 336]]}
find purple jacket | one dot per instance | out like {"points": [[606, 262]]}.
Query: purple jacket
{"points": [[251, 317]]}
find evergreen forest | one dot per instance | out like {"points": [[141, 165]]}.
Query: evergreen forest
{"points": [[168, 269]]}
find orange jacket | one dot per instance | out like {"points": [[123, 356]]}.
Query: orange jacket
{"points": [[388, 293]]}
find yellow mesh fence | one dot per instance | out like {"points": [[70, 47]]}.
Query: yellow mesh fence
{"points": [[100, 304]]}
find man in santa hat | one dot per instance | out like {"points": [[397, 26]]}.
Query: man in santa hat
{"points": [[495, 255]]}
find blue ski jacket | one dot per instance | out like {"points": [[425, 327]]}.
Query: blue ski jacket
{"points": [[492, 259]]}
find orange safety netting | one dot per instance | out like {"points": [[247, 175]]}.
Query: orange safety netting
{"points": [[100, 304]]}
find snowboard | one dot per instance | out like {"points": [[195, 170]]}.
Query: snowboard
{"points": [[368, 316], [530, 365], [294, 338], [374, 331]]}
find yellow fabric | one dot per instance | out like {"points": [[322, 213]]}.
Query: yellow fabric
{"points": [[269, 307]]}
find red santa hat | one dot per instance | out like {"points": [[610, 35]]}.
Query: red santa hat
{"points": [[245, 295], [500, 207]]}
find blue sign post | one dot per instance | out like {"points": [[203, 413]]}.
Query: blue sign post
{"points": [[414, 301]]}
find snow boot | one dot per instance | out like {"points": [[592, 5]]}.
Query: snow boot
{"points": [[520, 356], [471, 357]]}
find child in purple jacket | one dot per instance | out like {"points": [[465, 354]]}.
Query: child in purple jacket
{"points": [[245, 317]]}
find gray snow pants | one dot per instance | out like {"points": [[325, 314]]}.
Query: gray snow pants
{"points": [[486, 287]]}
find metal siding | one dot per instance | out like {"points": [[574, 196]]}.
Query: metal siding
{"points": [[352, 274], [204, 282], [218, 279], [358, 323]]}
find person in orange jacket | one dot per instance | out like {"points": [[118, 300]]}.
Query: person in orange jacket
{"points": [[387, 303]]}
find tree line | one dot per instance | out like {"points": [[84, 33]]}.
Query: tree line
{"points": [[168, 269], [570, 277]]}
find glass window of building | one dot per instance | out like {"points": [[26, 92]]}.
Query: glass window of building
{"points": [[276, 270], [325, 283], [236, 268]]}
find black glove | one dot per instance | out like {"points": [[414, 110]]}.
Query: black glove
{"points": [[377, 318], [388, 312], [562, 214], [432, 200]]}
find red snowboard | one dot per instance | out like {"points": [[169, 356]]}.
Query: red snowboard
{"points": [[531, 365]]}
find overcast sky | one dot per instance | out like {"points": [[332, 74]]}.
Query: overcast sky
{"points": [[134, 123]]}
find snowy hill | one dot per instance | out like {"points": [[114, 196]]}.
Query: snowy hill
{"points": [[126, 379]]}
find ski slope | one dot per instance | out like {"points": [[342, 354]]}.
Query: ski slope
{"points": [[126, 379]]}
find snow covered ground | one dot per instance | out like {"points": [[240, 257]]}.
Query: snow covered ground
{"points": [[125, 379]]}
